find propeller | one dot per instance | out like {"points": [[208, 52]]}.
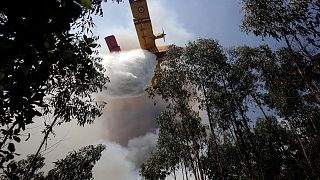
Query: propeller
{"points": [[164, 35]]}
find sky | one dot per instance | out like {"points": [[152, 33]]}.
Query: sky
{"points": [[182, 21], [128, 126]]}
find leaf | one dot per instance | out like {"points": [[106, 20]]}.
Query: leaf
{"points": [[10, 156], [37, 113], [16, 131], [86, 3], [93, 45], [11, 147], [13, 166], [46, 44], [16, 138], [1, 75], [88, 40]]}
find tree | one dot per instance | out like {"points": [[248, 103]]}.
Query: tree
{"points": [[17, 170], [295, 22], [49, 64], [276, 147], [201, 74], [287, 94], [76, 165], [263, 120]]}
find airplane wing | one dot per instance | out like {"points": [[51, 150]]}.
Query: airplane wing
{"points": [[142, 22]]}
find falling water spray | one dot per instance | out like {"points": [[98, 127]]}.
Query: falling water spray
{"points": [[130, 72]]}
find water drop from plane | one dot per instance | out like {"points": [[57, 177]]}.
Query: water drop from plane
{"points": [[130, 72]]}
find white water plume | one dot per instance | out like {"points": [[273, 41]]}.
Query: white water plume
{"points": [[130, 72]]}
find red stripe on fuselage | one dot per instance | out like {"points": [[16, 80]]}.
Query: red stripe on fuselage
{"points": [[141, 21]]}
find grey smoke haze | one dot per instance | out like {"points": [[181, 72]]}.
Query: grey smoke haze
{"points": [[120, 163], [140, 148], [127, 118]]}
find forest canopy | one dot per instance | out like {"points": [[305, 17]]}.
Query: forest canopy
{"points": [[245, 112]]}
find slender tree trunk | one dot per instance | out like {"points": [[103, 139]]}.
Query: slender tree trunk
{"points": [[200, 168], [302, 74], [186, 172], [212, 129], [31, 169], [267, 118], [174, 174], [239, 135], [259, 105], [182, 173], [189, 156], [208, 110], [7, 135], [302, 148], [242, 144]]}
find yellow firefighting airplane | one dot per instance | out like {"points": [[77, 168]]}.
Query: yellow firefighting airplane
{"points": [[142, 22]]}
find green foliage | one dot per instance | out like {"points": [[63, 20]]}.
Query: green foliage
{"points": [[48, 64], [298, 19], [17, 170], [297, 24], [261, 106], [76, 165], [259, 120]]}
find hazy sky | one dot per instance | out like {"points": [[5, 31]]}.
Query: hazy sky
{"points": [[182, 20], [128, 126]]}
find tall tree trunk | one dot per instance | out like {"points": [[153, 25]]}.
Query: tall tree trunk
{"points": [[212, 129], [302, 148], [185, 171], [182, 173], [174, 174], [312, 88]]}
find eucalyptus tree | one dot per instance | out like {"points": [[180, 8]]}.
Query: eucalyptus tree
{"points": [[169, 149], [202, 75], [297, 24], [278, 148], [229, 88], [285, 93], [48, 65], [174, 86], [76, 165]]}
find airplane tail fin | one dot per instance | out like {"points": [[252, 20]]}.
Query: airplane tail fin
{"points": [[112, 43]]}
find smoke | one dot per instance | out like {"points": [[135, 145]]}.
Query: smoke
{"points": [[140, 148], [164, 18], [129, 72], [118, 162], [114, 165], [127, 118]]}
